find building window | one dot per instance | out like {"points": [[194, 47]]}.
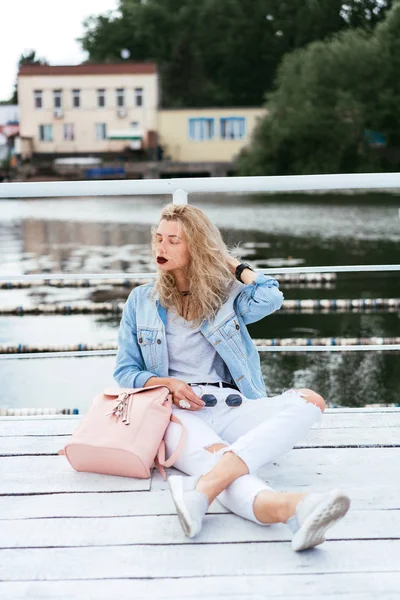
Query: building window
{"points": [[69, 132], [201, 129], [139, 96], [233, 128], [101, 98], [120, 97], [57, 98], [38, 97], [46, 133], [76, 98], [101, 131]]}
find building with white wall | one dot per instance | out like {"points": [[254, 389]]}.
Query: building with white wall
{"points": [[88, 108]]}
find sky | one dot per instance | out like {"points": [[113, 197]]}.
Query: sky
{"points": [[48, 26]]}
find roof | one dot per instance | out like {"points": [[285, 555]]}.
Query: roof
{"points": [[122, 68]]}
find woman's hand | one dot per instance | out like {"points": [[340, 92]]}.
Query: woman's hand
{"points": [[182, 391], [233, 263]]}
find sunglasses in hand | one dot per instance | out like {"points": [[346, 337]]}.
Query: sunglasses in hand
{"points": [[231, 400]]}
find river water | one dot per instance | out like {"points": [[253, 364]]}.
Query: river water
{"points": [[93, 235]]}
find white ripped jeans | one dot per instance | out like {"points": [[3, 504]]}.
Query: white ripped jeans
{"points": [[258, 431]]}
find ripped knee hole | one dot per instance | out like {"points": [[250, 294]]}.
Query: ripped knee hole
{"points": [[215, 447]]}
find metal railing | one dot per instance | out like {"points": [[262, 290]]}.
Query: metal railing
{"points": [[179, 189]]}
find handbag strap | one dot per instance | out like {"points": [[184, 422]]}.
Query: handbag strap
{"points": [[160, 460]]}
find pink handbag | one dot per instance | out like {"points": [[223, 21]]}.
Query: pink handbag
{"points": [[123, 433]]}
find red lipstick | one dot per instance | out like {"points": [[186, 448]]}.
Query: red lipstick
{"points": [[161, 260]]}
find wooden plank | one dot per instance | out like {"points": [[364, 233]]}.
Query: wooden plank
{"points": [[347, 465], [357, 418], [342, 410], [360, 420], [161, 530], [346, 458], [363, 496], [46, 481], [40, 445], [357, 471], [198, 560], [351, 436], [91, 505], [57, 417], [354, 470], [29, 426], [373, 436], [352, 586], [158, 501], [19, 427], [35, 465], [349, 468]]}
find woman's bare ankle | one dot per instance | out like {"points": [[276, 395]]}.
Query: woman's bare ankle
{"points": [[228, 468], [275, 507], [293, 500], [205, 488]]}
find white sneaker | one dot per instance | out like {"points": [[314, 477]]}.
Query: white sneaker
{"points": [[315, 513], [190, 504]]}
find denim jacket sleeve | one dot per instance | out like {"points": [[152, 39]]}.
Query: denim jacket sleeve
{"points": [[130, 369], [258, 299]]}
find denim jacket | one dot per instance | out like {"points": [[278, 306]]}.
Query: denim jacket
{"points": [[142, 349]]}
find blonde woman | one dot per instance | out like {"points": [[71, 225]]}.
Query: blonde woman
{"points": [[188, 331]]}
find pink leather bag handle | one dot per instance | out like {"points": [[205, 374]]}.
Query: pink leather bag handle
{"points": [[160, 458]]}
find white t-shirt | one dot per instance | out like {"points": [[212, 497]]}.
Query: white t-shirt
{"points": [[191, 356]]}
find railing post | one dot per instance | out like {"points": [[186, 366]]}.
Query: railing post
{"points": [[180, 197]]}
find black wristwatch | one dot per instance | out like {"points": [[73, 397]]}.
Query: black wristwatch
{"points": [[239, 270]]}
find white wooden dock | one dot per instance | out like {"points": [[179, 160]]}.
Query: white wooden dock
{"points": [[68, 535]]}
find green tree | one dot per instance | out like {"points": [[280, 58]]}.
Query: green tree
{"points": [[327, 95], [220, 52], [387, 90], [28, 58]]}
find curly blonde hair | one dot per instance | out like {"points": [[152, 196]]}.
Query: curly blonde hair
{"points": [[208, 271]]}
